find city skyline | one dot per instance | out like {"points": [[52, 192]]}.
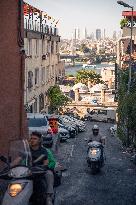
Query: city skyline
{"points": [[88, 14]]}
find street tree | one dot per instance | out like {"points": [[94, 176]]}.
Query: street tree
{"points": [[84, 75], [56, 98], [84, 48]]}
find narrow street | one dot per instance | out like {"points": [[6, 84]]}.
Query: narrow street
{"points": [[115, 185]]}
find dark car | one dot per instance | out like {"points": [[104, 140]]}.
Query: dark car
{"points": [[71, 130]]}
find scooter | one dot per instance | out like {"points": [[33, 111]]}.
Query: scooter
{"points": [[95, 158], [24, 181]]}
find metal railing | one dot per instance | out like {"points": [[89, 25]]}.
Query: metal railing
{"points": [[34, 25]]}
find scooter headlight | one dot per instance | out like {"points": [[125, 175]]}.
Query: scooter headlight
{"points": [[15, 189], [94, 151]]}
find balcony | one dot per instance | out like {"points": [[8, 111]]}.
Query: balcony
{"points": [[31, 25], [38, 21], [126, 23]]}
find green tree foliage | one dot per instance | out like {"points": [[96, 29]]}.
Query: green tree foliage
{"points": [[124, 23], [56, 98], [84, 48], [70, 75], [84, 75], [127, 110]]}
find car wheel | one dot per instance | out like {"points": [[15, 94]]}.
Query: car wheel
{"points": [[72, 136], [108, 120], [89, 118]]}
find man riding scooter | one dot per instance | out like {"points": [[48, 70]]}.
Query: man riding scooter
{"points": [[53, 164], [40, 157], [96, 137]]}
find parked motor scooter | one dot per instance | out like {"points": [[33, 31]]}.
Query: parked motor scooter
{"points": [[24, 181], [95, 158]]}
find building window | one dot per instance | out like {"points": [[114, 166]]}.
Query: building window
{"points": [[43, 75], [112, 72], [35, 106], [48, 47], [52, 47], [43, 47], [37, 47], [53, 71], [47, 73], [41, 102], [29, 47], [57, 47], [30, 80], [36, 76]]}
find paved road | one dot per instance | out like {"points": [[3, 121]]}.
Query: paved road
{"points": [[115, 185]]}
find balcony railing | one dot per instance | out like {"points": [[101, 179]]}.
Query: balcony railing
{"points": [[33, 25]]}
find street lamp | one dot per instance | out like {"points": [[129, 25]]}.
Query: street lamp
{"points": [[122, 3]]}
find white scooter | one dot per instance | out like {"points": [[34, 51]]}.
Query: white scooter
{"points": [[22, 189], [95, 158]]}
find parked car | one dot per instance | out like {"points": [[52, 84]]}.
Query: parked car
{"points": [[38, 122], [63, 134], [67, 123], [79, 121], [70, 129], [81, 126], [102, 114]]}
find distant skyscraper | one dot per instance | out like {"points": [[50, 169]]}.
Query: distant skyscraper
{"points": [[92, 36], [77, 33], [98, 34], [104, 34], [114, 35], [85, 34]]}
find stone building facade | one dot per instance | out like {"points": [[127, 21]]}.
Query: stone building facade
{"points": [[43, 67]]}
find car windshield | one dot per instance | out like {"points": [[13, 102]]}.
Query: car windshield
{"points": [[37, 122]]}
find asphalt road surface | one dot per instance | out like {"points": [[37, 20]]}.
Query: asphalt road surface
{"points": [[114, 185]]}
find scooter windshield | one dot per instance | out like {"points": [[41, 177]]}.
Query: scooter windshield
{"points": [[19, 153], [19, 159]]}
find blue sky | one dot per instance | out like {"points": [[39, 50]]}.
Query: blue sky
{"points": [[91, 14]]}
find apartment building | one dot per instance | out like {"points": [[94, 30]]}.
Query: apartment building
{"points": [[123, 47], [43, 67], [108, 76]]}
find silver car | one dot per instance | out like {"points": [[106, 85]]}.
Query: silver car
{"points": [[38, 122]]}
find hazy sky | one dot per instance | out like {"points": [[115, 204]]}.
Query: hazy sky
{"points": [[91, 14]]}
